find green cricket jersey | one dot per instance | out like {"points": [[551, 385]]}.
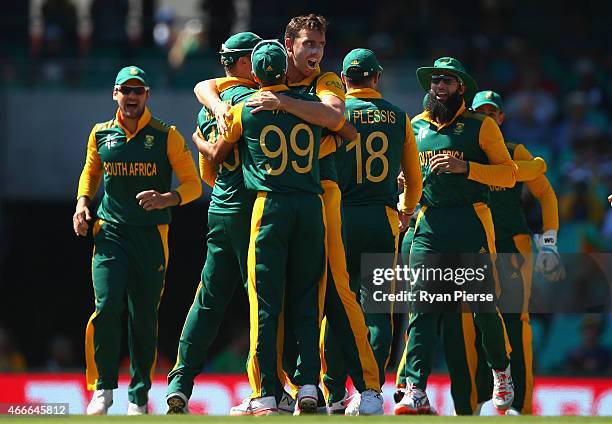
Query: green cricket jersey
{"points": [[507, 208], [281, 149], [322, 84], [368, 166], [132, 163], [229, 195], [459, 139]]}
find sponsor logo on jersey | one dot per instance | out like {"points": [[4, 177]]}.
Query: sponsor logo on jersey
{"points": [[422, 133], [110, 141]]}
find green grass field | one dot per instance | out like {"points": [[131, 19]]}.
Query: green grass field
{"points": [[303, 420]]}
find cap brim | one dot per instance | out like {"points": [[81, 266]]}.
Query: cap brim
{"points": [[485, 102], [424, 77]]}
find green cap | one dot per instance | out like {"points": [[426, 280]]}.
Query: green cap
{"points": [[131, 72], [238, 45], [269, 60], [488, 98], [451, 66], [360, 63]]}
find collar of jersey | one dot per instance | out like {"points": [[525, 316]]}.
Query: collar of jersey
{"points": [[307, 80], [364, 93], [278, 87], [425, 116], [229, 82], [142, 122]]}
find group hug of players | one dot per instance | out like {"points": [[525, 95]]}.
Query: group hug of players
{"points": [[309, 171], [304, 169]]}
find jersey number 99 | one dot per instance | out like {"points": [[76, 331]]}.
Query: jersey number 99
{"points": [[283, 152]]}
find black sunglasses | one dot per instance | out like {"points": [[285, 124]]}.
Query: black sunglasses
{"points": [[139, 90], [448, 80]]}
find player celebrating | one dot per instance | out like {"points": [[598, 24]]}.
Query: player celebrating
{"points": [[367, 168], [286, 258], [137, 154], [516, 265], [460, 153], [305, 42], [227, 242]]}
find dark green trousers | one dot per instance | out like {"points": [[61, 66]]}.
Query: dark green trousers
{"points": [[369, 229], [470, 231], [286, 265], [128, 261], [225, 269]]}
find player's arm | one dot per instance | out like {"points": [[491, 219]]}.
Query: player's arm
{"points": [[501, 170], [411, 171], [528, 167], [329, 113], [181, 161], [411, 177], [88, 185], [207, 171], [216, 152], [207, 93]]}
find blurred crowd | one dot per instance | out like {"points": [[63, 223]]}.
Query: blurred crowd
{"points": [[550, 61]]}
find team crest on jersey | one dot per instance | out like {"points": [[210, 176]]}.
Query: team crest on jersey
{"points": [[459, 128], [110, 141], [148, 143]]}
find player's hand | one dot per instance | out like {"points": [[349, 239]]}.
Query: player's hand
{"points": [[404, 221], [221, 112], [548, 262], [610, 199], [401, 181], [80, 218], [265, 100], [197, 138], [151, 199], [446, 163]]}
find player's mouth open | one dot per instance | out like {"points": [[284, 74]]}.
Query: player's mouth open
{"points": [[311, 63]]}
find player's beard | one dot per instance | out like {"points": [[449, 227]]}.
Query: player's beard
{"points": [[443, 112]]}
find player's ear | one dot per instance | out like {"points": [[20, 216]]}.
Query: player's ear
{"points": [[288, 44], [462, 89], [502, 118], [343, 78], [115, 91]]}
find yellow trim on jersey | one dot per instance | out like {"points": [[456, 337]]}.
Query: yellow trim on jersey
{"points": [[323, 281], [427, 117], [336, 253], [528, 167], [275, 88], [471, 355], [411, 167], [143, 121], [207, 170], [364, 93], [226, 83], [92, 170], [253, 364], [179, 156], [328, 145], [234, 124], [501, 170], [306, 81], [330, 84]]}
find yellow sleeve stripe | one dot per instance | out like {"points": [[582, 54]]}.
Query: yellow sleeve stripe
{"points": [[234, 124]]}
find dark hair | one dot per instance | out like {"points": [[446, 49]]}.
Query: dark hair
{"points": [[360, 80], [298, 23]]}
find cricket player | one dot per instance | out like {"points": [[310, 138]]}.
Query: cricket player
{"points": [[515, 265], [461, 153], [367, 169], [286, 258], [227, 242], [136, 154], [305, 42]]}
